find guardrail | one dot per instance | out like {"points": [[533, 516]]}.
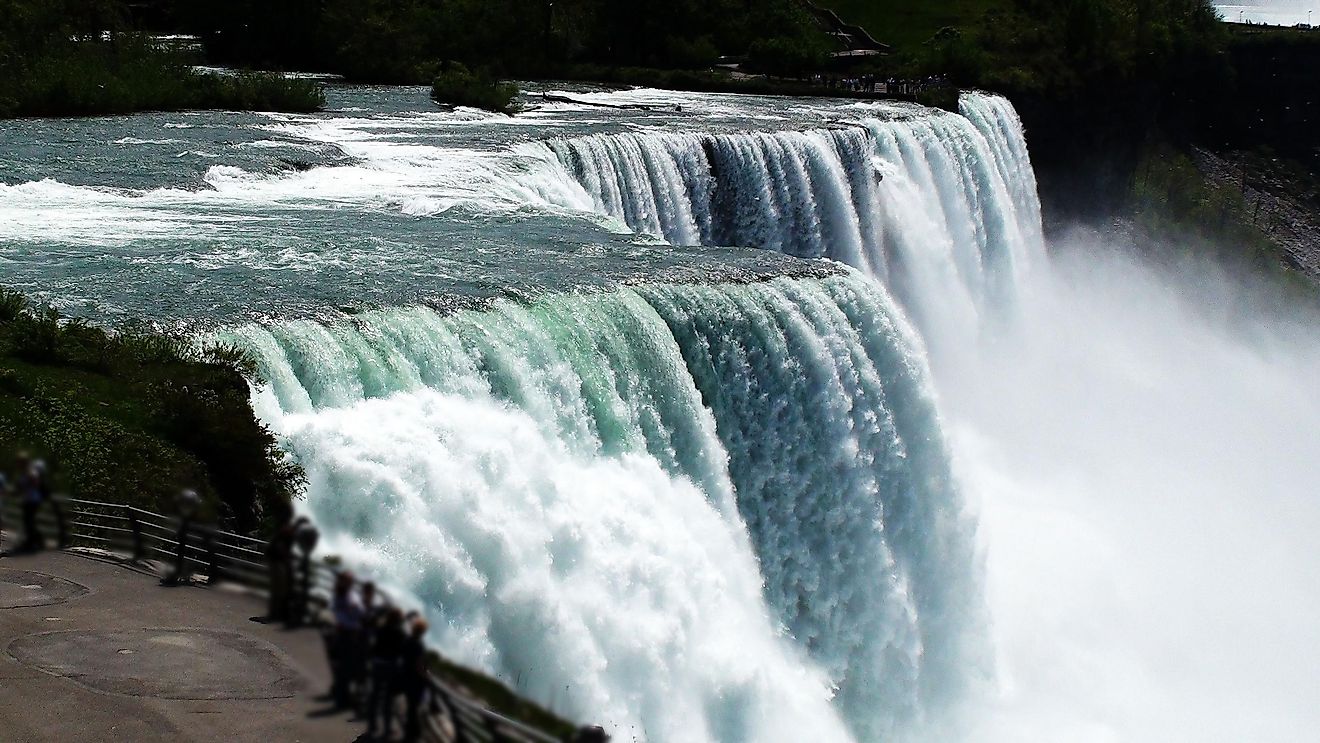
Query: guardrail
{"points": [[182, 550]]}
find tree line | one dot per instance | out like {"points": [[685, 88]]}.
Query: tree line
{"points": [[89, 57], [398, 41]]}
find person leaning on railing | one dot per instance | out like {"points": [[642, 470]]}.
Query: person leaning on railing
{"points": [[42, 475], [279, 557], [414, 681], [5, 492], [345, 640], [386, 662], [27, 485]]}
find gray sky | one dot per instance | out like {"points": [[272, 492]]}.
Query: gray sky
{"points": [[1286, 12]]}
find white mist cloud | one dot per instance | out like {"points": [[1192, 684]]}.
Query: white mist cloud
{"points": [[1145, 448]]}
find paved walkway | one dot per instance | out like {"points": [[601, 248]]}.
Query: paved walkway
{"points": [[94, 651]]}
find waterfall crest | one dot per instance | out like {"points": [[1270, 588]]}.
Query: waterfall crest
{"points": [[941, 207]]}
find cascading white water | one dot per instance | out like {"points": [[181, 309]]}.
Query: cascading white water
{"points": [[1143, 467], [941, 207], [690, 512], [589, 492]]}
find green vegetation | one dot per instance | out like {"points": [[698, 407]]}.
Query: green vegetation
{"points": [[1044, 46], [76, 58], [456, 85], [907, 26], [134, 415], [1206, 206], [499, 698], [393, 41], [1040, 45], [1171, 196]]}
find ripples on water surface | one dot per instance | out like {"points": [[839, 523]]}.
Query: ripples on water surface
{"points": [[382, 200]]}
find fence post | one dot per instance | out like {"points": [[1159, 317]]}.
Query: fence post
{"points": [[133, 524], [460, 732], [61, 525], [212, 560]]}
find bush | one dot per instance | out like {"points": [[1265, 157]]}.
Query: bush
{"points": [[784, 57], [456, 85], [131, 416], [12, 305], [258, 91], [128, 73], [691, 54]]}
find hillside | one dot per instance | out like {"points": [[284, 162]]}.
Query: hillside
{"points": [[132, 416], [907, 25]]}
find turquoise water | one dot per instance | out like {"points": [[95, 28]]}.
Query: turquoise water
{"points": [[712, 418], [655, 304], [382, 201]]}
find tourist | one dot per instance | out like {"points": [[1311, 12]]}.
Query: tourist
{"points": [[345, 640], [28, 489], [279, 559], [413, 678], [373, 618], [41, 474], [386, 656], [4, 493]]}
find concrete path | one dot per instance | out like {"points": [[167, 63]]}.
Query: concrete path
{"points": [[95, 651]]}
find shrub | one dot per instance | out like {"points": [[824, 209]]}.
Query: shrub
{"points": [[456, 85], [133, 415], [259, 91], [691, 54], [129, 73], [12, 305], [784, 57]]}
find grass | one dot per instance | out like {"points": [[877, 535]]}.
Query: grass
{"points": [[1172, 199], [133, 416], [907, 25]]}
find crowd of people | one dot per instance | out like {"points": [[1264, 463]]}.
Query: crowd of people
{"points": [[29, 483], [878, 85], [376, 651], [377, 654]]}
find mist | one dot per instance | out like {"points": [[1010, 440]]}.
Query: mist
{"points": [[1143, 447]]}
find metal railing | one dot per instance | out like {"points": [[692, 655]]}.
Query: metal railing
{"points": [[153, 541]]}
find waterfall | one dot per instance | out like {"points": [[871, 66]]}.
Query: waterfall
{"points": [[941, 207], [715, 512], [696, 492], [688, 512]]}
